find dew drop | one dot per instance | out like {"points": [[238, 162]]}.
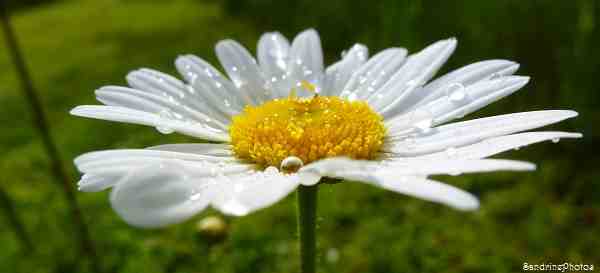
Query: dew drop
{"points": [[495, 76], [456, 92], [271, 170], [555, 140], [195, 195], [208, 72], [291, 164], [412, 83], [451, 152], [165, 114], [190, 89], [362, 79], [352, 96], [424, 125]]}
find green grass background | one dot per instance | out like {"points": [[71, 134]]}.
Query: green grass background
{"points": [[74, 47]]}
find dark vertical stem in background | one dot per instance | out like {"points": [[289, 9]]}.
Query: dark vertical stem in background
{"points": [[41, 124], [15, 222]]}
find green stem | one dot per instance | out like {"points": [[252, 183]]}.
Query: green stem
{"points": [[307, 215]]}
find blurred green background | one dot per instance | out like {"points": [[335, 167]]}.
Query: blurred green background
{"points": [[74, 47]]}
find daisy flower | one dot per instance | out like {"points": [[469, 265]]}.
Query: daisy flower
{"points": [[284, 120]]}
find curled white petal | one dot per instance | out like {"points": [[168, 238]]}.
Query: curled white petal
{"points": [[160, 194], [244, 193]]}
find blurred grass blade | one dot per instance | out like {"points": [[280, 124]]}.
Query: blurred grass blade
{"points": [[15, 221], [41, 124]]}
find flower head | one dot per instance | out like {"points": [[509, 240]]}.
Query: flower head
{"points": [[286, 120]]}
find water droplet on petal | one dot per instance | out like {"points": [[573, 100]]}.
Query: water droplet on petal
{"points": [[555, 140], [165, 114], [456, 92], [271, 170], [424, 125], [352, 97], [495, 76], [291, 164], [451, 152], [412, 83]]}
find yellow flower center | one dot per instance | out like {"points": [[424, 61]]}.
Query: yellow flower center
{"points": [[306, 128]]}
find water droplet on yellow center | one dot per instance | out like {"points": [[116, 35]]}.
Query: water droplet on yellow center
{"points": [[306, 128]]}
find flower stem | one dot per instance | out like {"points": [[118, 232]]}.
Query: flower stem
{"points": [[307, 215]]}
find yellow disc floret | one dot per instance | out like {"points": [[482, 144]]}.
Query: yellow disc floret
{"points": [[306, 128]]}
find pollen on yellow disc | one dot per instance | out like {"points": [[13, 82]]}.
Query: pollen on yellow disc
{"points": [[307, 128]]}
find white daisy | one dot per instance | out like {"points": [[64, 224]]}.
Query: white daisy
{"points": [[286, 121]]}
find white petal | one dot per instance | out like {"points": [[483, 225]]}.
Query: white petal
{"points": [[338, 74], [429, 190], [243, 70], [130, 158], [219, 150], [273, 55], [160, 194], [168, 122], [103, 169], [457, 103], [273, 51], [247, 192], [180, 96], [364, 170], [411, 185], [368, 78], [151, 103], [306, 60], [467, 75], [97, 182], [467, 132], [496, 145], [417, 70], [210, 88]]}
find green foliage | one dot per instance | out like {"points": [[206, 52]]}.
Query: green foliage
{"points": [[73, 47]]}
